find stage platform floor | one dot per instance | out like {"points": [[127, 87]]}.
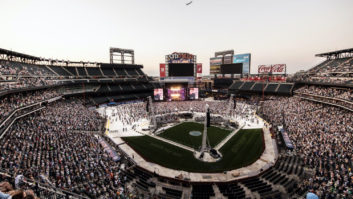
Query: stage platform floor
{"points": [[248, 120]]}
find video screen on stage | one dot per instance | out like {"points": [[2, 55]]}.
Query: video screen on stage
{"points": [[232, 68], [176, 94], [158, 94], [180, 70], [194, 93]]}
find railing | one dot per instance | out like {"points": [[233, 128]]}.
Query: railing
{"points": [[66, 81], [4, 122], [342, 103], [28, 106], [43, 190]]}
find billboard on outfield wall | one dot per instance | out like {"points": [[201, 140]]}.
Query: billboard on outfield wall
{"points": [[245, 59], [276, 69]]}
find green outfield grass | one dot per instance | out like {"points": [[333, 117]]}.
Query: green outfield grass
{"points": [[180, 134], [241, 150]]}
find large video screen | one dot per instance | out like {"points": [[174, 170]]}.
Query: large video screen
{"points": [[181, 70], [158, 94], [194, 93], [232, 68], [245, 59], [176, 94]]}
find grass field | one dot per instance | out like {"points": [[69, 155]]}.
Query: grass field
{"points": [[180, 134], [241, 150]]}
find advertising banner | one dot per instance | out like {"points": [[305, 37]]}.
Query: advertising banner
{"points": [[199, 68], [199, 71], [275, 69], [161, 70], [228, 60], [214, 61], [215, 69], [180, 58], [245, 59]]}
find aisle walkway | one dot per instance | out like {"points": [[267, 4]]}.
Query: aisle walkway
{"points": [[171, 142], [225, 140]]}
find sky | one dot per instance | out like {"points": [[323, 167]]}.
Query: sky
{"points": [[273, 31]]}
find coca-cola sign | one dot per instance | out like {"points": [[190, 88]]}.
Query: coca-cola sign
{"points": [[273, 69]]}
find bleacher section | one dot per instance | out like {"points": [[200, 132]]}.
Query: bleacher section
{"points": [[202, 191], [262, 188], [259, 87], [247, 86], [101, 82], [172, 193], [94, 71], [72, 70], [279, 181], [284, 88], [232, 190], [81, 71], [337, 69], [236, 85], [271, 88], [120, 71], [60, 71], [222, 82], [108, 72]]}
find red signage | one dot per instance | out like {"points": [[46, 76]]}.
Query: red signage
{"points": [[199, 71], [162, 70], [199, 68], [181, 58], [274, 69]]}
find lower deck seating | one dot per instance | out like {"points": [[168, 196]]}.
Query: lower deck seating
{"points": [[202, 191], [172, 193], [232, 190], [259, 186]]}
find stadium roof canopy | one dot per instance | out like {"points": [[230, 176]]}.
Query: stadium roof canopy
{"points": [[16, 54], [21, 57], [337, 54]]}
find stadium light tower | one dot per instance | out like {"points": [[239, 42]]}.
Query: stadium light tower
{"points": [[121, 56]]}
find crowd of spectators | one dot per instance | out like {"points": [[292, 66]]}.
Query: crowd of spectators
{"points": [[19, 75], [323, 73], [8, 192], [14, 101], [322, 135], [129, 113], [340, 93], [216, 107], [54, 144], [28, 82], [333, 65]]}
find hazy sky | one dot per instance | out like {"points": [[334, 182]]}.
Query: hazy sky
{"points": [[273, 31]]}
